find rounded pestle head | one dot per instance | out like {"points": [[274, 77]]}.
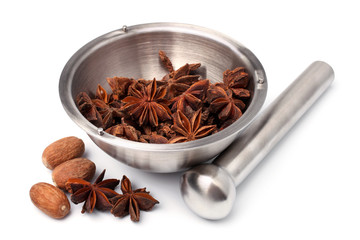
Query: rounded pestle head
{"points": [[209, 191]]}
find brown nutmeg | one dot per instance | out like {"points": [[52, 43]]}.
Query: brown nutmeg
{"points": [[62, 150], [50, 199], [76, 168]]}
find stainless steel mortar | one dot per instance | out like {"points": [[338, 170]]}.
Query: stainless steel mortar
{"points": [[133, 52]]}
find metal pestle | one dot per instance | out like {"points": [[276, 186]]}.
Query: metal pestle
{"points": [[209, 189]]}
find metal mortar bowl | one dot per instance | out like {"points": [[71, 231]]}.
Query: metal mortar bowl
{"points": [[133, 52]]}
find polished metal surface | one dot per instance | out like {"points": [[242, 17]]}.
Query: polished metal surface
{"points": [[209, 191], [132, 51], [206, 187]]}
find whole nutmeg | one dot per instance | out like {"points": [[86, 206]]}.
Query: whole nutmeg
{"points": [[76, 168], [62, 150], [50, 199]]}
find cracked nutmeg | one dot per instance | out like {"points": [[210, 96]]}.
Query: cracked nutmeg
{"points": [[180, 107], [132, 201]]}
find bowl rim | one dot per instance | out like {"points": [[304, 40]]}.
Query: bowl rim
{"points": [[66, 78]]}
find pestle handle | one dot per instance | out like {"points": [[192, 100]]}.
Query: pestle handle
{"points": [[257, 140], [209, 189]]}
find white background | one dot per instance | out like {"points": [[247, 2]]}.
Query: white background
{"points": [[308, 187]]}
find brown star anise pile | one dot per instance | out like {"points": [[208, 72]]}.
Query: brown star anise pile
{"points": [[178, 108], [101, 195]]}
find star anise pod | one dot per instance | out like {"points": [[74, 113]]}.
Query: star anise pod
{"points": [[148, 105], [150, 136], [184, 70], [108, 112], [190, 129], [107, 107], [191, 99], [223, 104], [123, 130], [183, 74], [176, 86], [156, 138], [102, 94], [166, 61], [153, 138], [180, 80], [164, 129], [120, 86], [95, 195], [88, 109], [131, 202], [236, 80]]}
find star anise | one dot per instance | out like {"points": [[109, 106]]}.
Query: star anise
{"points": [[156, 138], [166, 61], [236, 80], [88, 109], [164, 129], [120, 86], [180, 80], [123, 130], [150, 136], [179, 85], [147, 105], [102, 94], [184, 70], [190, 130], [107, 107], [153, 138], [131, 202], [223, 104], [95, 195], [191, 99], [148, 108]]}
